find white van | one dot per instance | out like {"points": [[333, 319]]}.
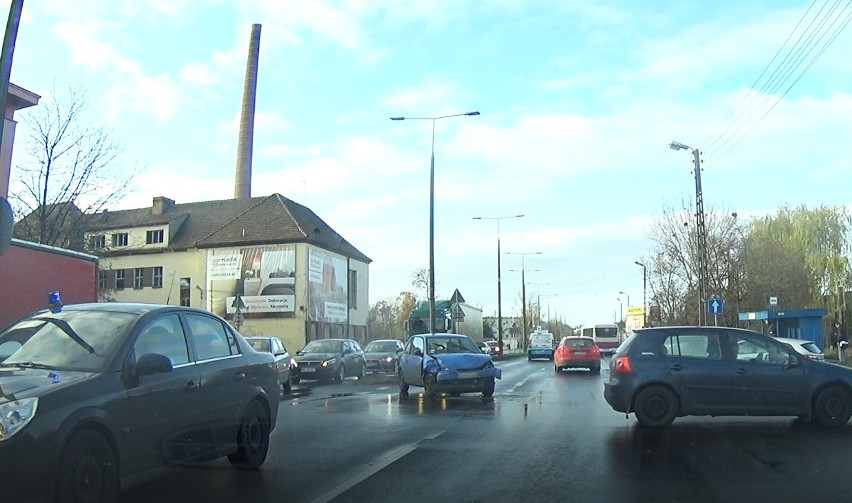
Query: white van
{"points": [[541, 345]]}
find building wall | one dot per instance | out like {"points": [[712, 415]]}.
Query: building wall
{"points": [[176, 265], [29, 272]]}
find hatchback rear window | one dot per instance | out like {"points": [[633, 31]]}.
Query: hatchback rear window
{"points": [[810, 346], [579, 343]]}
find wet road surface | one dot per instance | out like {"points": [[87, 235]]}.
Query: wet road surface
{"points": [[543, 437]]}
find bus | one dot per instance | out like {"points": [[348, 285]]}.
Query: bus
{"points": [[606, 336]]}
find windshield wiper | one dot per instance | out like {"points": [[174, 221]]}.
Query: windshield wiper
{"points": [[29, 365], [65, 327]]}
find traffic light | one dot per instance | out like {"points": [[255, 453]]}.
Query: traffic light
{"points": [[7, 222]]}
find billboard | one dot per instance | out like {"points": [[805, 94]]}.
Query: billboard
{"points": [[327, 287], [263, 276]]}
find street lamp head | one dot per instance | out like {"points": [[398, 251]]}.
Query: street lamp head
{"points": [[472, 113], [397, 118], [676, 145], [639, 263]]}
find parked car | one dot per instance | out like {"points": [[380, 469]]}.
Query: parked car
{"points": [[382, 355], [804, 347], [331, 359], [94, 396], [577, 352], [283, 361], [663, 373], [446, 363], [492, 348]]}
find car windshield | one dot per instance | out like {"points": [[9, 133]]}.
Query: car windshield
{"points": [[70, 340], [381, 347], [438, 345], [323, 347], [260, 345]]}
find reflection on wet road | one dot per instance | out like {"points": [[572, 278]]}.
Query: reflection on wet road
{"points": [[542, 437]]}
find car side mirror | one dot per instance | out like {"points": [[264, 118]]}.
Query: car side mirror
{"points": [[417, 352], [791, 362], [153, 363], [347, 351]]}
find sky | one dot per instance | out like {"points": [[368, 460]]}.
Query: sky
{"points": [[578, 103]]}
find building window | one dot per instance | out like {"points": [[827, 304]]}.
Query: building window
{"points": [[138, 277], [119, 239], [97, 242], [154, 237], [185, 290], [119, 280], [158, 277], [353, 289], [102, 280]]}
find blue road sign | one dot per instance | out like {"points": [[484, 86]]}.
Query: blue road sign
{"points": [[715, 306]]}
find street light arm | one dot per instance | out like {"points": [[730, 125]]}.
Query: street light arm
{"points": [[433, 118]]}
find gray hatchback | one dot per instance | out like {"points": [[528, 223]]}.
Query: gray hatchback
{"points": [[667, 372]]}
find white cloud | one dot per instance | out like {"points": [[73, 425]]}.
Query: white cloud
{"points": [[158, 96]]}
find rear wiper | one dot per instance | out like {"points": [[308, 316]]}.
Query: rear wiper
{"points": [[65, 327]]}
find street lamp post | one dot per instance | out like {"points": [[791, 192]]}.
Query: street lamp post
{"points": [[524, 292], [700, 229], [432, 212], [644, 293], [538, 300], [628, 308], [499, 294]]}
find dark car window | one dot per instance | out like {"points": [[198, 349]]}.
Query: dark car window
{"points": [[693, 346], [323, 346], [381, 347], [414, 345], [752, 348], [438, 345], [93, 338], [578, 343], [163, 336], [212, 339]]}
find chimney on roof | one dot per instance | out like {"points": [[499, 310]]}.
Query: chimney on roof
{"points": [[161, 205], [242, 181]]}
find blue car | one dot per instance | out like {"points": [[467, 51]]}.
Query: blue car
{"points": [[446, 363], [663, 373]]}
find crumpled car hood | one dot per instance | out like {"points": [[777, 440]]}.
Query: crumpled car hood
{"points": [[463, 361]]}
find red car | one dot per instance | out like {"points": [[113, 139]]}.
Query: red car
{"points": [[577, 352]]}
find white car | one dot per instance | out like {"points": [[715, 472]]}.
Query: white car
{"points": [[804, 347]]}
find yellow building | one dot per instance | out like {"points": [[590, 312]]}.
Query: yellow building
{"points": [[267, 264]]}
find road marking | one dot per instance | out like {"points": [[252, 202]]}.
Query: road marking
{"points": [[372, 468], [524, 381]]}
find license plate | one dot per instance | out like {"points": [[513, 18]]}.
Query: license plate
{"points": [[468, 375], [580, 353], [309, 369]]}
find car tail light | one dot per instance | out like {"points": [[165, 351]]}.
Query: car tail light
{"points": [[622, 365]]}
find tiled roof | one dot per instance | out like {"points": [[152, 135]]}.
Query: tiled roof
{"points": [[235, 222]]}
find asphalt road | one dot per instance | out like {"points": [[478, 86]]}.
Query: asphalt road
{"points": [[543, 437]]}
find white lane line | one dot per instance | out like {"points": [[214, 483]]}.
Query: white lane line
{"points": [[372, 468], [524, 381]]}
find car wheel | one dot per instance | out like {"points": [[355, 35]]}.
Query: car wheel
{"points": [[341, 373], [403, 386], [252, 438], [287, 387], [488, 392], [363, 373], [656, 406], [556, 368], [833, 407], [429, 386], [87, 469]]}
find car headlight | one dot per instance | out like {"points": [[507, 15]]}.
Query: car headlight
{"points": [[15, 415], [293, 363], [389, 359], [329, 362]]}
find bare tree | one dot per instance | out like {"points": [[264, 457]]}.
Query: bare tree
{"points": [[69, 173]]}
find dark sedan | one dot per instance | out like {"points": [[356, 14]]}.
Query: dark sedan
{"points": [[382, 355], [98, 396], [663, 373], [283, 361], [331, 359]]}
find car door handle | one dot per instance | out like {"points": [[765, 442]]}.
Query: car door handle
{"points": [[676, 367], [741, 371], [239, 376], [191, 386]]}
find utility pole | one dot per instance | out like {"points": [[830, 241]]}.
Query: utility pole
{"points": [[701, 231]]}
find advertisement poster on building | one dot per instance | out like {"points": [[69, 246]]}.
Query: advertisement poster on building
{"points": [[327, 288], [263, 276]]}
